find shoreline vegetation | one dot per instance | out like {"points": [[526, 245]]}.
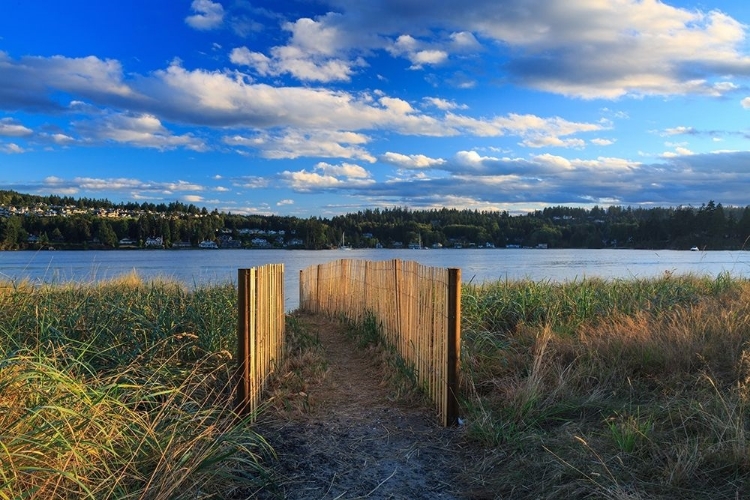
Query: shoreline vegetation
{"points": [[618, 389], [54, 222]]}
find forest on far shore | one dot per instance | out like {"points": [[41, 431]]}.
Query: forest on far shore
{"points": [[33, 222]]}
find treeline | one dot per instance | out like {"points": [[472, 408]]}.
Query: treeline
{"points": [[30, 221]]}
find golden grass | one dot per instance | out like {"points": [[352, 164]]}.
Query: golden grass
{"points": [[644, 396], [122, 389]]}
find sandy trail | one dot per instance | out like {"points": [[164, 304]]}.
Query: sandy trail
{"points": [[356, 442]]}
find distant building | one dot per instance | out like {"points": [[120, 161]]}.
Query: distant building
{"points": [[208, 244], [157, 242], [260, 243], [226, 241]]}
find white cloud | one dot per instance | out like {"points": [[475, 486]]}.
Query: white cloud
{"points": [[602, 142], [36, 82], [228, 99], [418, 53], [552, 141], [11, 148], [209, 15], [443, 104], [536, 131], [326, 176], [250, 182], [412, 161], [10, 128], [679, 151], [140, 130], [317, 51], [284, 202], [60, 139], [304, 181], [745, 102], [242, 56], [585, 49], [124, 184], [679, 131], [290, 144], [347, 170]]}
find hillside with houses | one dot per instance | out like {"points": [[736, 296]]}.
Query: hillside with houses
{"points": [[53, 222]]}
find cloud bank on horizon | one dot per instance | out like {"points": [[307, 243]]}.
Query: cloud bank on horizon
{"points": [[318, 108]]}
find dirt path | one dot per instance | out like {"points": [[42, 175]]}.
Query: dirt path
{"points": [[357, 443]]}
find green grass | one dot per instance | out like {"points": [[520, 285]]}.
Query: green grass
{"points": [[609, 389], [122, 390]]}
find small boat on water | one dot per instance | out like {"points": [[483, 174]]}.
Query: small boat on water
{"points": [[694, 249], [343, 245]]}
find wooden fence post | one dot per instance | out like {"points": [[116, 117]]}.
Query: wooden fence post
{"points": [[301, 304], [454, 345], [243, 340]]}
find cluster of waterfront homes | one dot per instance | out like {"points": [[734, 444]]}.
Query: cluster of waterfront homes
{"points": [[261, 239]]}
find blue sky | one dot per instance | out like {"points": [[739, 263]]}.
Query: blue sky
{"points": [[323, 107]]}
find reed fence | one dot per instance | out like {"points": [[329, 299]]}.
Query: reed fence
{"points": [[260, 331], [417, 309]]}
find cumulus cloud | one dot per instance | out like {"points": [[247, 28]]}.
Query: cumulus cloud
{"points": [[547, 179], [250, 182], [536, 131], [129, 185], [316, 52], [581, 49], [443, 104], [680, 131], [140, 130], [678, 151], [745, 103], [326, 176], [348, 170], [417, 161], [602, 142], [11, 148], [291, 143], [59, 139], [304, 181], [11, 128], [227, 99], [208, 15], [419, 53], [32, 82]]}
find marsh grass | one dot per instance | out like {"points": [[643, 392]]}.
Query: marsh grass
{"points": [[610, 389], [122, 389]]}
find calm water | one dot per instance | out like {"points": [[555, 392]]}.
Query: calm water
{"points": [[199, 267]]}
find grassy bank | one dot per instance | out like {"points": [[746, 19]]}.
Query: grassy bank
{"points": [[121, 390], [609, 389]]}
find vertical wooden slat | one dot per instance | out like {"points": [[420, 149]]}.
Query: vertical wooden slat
{"points": [[453, 345], [252, 290], [243, 369]]}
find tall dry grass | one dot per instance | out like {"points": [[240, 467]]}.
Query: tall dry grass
{"points": [[122, 390], [610, 389]]}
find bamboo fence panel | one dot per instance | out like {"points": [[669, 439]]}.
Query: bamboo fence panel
{"points": [[260, 331], [417, 308]]}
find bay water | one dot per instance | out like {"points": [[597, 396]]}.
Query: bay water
{"points": [[204, 267]]}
